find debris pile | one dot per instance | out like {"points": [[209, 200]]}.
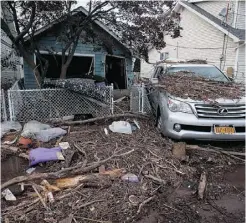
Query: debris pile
{"points": [[189, 85], [110, 176]]}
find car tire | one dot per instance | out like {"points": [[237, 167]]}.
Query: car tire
{"points": [[158, 121]]}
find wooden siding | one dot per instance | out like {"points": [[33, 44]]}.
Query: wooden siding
{"points": [[240, 16], [240, 76], [49, 42], [196, 33]]}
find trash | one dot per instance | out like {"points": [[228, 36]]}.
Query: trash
{"points": [[68, 182], [64, 145], [68, 118], [31, 128], [202, 185], [58, 141], [41, 155], [48, 186], [30, 170], [17, 189], [136, 123], [10, 142], [121, 127], [114, 173], [10, 126], [48, 134], [179, 150], [101, 169], [51, 197], [8, 195], [130, 177], [92, 208], [134, 200], [69, 219], [106, 131], [25, 143]]}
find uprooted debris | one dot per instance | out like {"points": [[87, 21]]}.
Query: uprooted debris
{"points": [[121, 178], [188, 85]]}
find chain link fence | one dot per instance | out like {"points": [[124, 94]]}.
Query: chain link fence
{"points": [[48, 104], [139, 101]]}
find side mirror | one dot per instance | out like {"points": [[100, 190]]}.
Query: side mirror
{"points": [[154, 80]]}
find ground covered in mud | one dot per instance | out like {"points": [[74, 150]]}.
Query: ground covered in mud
{"points": [[166, 189]]}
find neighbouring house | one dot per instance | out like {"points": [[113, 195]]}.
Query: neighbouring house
{"points": [[212, 31], [93, 57]]}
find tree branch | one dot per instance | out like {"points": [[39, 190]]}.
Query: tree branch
{"points": [[29, 25], [14, 13]]}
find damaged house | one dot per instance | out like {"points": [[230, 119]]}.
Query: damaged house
{"points": [[99, 54]]}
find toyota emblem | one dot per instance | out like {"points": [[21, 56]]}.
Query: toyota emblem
{"points": [[222, 111]]}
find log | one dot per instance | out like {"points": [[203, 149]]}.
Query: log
{"points": [[126, 115], [228, 153], [202, 185], [15, 150]]}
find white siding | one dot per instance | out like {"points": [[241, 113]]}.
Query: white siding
{"points": [[215, 7], [196, 33], [240, 15], [240, 76]]}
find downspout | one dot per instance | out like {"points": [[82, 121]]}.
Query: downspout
{"points": [[222, 54]]}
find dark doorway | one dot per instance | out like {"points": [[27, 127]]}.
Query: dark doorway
{"points": [[115, 72], [80, 66]]}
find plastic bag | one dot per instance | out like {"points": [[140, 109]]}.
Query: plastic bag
{"points": [[48, 134], [41, 155], [7, 126], [121, 127], [130, 177], [31, 128]]}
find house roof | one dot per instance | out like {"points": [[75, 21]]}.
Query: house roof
{"points": [[85, 12], [235, 34]]}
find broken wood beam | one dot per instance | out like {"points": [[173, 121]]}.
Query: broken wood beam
{"points": [[202, 185], [126, 115]]}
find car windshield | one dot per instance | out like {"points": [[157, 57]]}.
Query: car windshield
{"points": [[212, 73]]}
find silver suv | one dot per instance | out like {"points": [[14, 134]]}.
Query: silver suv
{"points": [[188, 119]]}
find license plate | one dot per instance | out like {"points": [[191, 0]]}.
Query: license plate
{"points": [[224, 129]]}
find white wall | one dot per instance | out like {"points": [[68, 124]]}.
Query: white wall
{"points": [[240, 16], [240, 76], [196, 33]]}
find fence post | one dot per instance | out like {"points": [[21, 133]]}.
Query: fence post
{"points": [[10, 106], [142, 89], [112, 99], [4, 105]]}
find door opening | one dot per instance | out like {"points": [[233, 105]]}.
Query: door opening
{"points": [[115, 72]]}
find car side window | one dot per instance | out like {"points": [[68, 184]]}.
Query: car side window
{"points": [[158, 72]]}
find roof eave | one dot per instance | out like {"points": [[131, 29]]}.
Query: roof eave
{"points": [[83, 10]]}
